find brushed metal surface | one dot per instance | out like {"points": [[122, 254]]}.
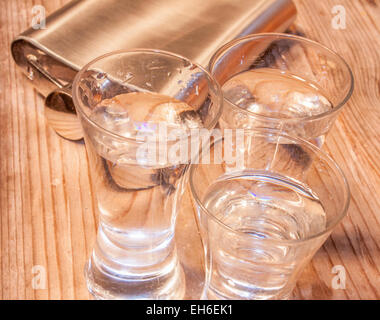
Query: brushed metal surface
{"points": [[84, 30]]}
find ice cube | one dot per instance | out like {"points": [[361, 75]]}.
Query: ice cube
{"points": [[306, 103], [113, 118], [130, 113], [274, 93], [238, 94]]}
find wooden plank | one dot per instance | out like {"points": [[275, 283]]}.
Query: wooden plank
{"points": [[354, 144]]}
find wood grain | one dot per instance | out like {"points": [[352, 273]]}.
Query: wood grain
{"points": [[47, 215]]}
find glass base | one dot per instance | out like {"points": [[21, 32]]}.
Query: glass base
{"points": [[209, 294], [104, 285]]}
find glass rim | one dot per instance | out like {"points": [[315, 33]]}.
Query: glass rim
{"points": [[78, 77], [227, 46], [321, 155]]}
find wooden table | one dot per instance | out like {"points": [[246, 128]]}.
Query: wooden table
{"points": [[47, 217]]}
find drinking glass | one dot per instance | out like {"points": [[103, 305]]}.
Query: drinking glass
{"points": [[281, 81], [130, 105], [263, 210]]}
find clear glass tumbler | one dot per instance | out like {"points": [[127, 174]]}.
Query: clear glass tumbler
{"points": [[281, 81], [263, 211], [131, 105]]}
